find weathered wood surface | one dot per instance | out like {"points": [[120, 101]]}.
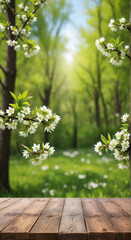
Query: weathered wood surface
{"points": [[65, 219]]}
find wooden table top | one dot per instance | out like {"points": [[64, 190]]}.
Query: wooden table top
{"points": [[65, 219]]}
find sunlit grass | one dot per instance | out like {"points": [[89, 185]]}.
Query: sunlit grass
{"points": [[83, 175]]}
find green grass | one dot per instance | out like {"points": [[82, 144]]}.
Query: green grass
{"points": [[27, 180]]}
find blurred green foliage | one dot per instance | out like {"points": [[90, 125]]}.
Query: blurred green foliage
{"points": [[70, 88]]}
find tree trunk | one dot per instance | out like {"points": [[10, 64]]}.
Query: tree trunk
{"points": [[74, 126], [97, 108], [9, 83]]}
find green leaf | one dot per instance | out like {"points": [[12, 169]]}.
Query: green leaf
{"points": [[24, 94], [104, 140], [13, 105], [13, 95], [26, 103], [109, 137], [43, 146]]}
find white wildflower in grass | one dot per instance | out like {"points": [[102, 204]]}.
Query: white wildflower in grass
{"points": [[44, 190], [98, 148], [56, 167], [26, 154], [10, 111], [74, 187], [44, 168], [81, 176], [92, 185], [52, 192], [35, 147], [64, 186], [105, 176], [125, 117], [82, 160]]}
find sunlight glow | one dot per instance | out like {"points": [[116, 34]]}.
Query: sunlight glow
{"points": [[68, 56]]}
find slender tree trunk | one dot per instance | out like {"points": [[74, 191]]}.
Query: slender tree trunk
{"points": [[74, 126], [9, 83], [97, 108]]}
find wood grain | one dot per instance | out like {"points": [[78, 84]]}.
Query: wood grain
{"points": [[98, 224], [124, 203], [11, 212], [48, 223], [119, 218], [19, 228], [10, 201], [72, 225]]}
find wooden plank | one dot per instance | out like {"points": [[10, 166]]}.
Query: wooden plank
{"points": [[11, 212], [19, 228], [119, 218], [4, 199], [8, 203], [98, 225], [124, 203], [47, 225], [72, 225]]}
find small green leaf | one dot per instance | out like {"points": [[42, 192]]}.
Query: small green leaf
{"points": [[26, 103], [13, 105], [104, 140], [109, 137], [24, 94], [13, 95]]}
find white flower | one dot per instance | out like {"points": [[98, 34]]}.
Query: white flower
{"points": [[20, 6], [26, 154], [2, 125], [2, 28], [110, 46], [51, 151], [125, 117], [23, 134], [10, 111], [20, 116], [23, 31], [47, 146], [112, 144], [44, 168], [81, 176], [125, 145], [12, 125], [17, 47], [116, 62], [105, 176], [112, 26], [26, 110], [126, 47], [2, 112], [11, 43], [56, 167], [39, 117], [52, 192], [44, 190], [122, 27], [35, 147], [126, 136], [118, 135], [121, 166], [92, 185], [97, 148], [117, 155], [32, 129], [122, 20], [43, 157], [24, 17], [25, 8]]}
